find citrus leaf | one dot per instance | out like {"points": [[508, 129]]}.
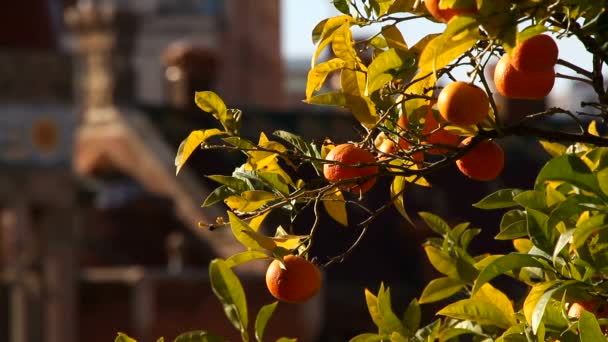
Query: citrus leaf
{"points": [[256, 222], [237, 184], [122, 337], [342, 43], [249, 237], [318, 74], [439, 289], [219, 194], [412, 317], [459, 36], [386, 66], [554, 149], [568, 168], [228, 289], [198, 336], [367, 337], [390, 322], [323, 34], [243, 257], [502, 265], [499, 199], [394, 38], [589, 328], [587, 226], [262, 319], [336, 206], [397, 189], [436, 223], [210, 102], [191, 143], [442, 261], [249, 201]]}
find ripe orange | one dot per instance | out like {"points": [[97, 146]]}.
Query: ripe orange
{"points": [[463, 104], [444, 15], [522, 85], [535, 54], [594, 306], [484, 162], [438, 136], [298, 282], [349, 154]]}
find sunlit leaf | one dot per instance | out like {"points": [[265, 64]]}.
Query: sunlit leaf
{"points": [[262, 319], [122, 337], [323, 34], [397, 192], [442, 261], [219, 194], [191, 143], [387, 65], [499, 199], [570, 169], [394, 38], [256, 222], [367, 337], [249, 237], [228, 289], [249, 201], [342, 43], [198, 336], [439, 289], [243, 257], [318, 74], [436, 223], [336, 206], [412, 317], [589, 327], [502, 265], [210, 102], [459, 36]]}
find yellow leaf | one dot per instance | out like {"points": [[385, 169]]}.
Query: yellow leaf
{"points": [[318, 74], [329, 29], [522, 245], [192, 142], [256, 222], [397, 189], [554, 149], [289, 241], [490, 294], [249, 200], [394, 38], [342, 43], [336, 207], [418, 180], [247, 236], [592, 129]]}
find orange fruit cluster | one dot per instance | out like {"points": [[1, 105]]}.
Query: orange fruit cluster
{"points": [[444, 15], [528, 72], [299, 281], [484, 162], [432, 134], [345, 155]]}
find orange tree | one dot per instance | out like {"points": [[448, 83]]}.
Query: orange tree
{"points": [[558, 227]]}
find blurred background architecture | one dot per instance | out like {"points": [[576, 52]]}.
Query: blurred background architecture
{"points": [[98, 235]]}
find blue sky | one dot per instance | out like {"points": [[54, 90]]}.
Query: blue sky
{"points": [[299, 17]]}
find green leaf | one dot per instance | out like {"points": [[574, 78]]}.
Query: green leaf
{"points": [[243, 257], [342, 6], [530, 32], [318, 74], [442, 261], [531, 199], [538, 298], [563, 240], [287, 339], [554, 149], [211, 103], [394, 38], [460, 35], [439, 289], [198, 336], [262, 319], [436, 223], [586, 227], [483, 313], [589, 328], [323, 33], [570, 207], [397, 193], [390, 322], [336, 206], [541, 236], [122, 337], [237, 184], [249, 237], [367, 337], [513, 225], [450, 333], [568, 168], [387, 65], [228, 289], [219, 194], [502, 265], [191, 143], [602, 179], [412, 317], [249, 201], [499, 199]]}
